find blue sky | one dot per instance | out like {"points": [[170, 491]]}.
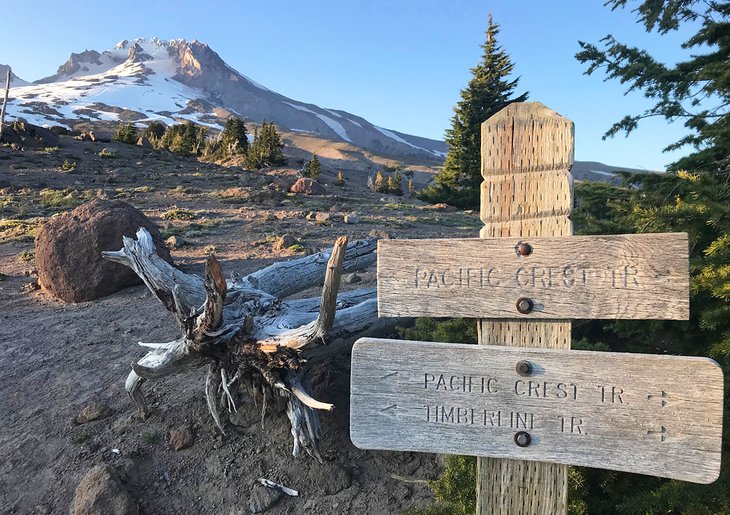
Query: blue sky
{"points": [[399, 64]]}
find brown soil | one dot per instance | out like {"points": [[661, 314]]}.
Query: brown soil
{"points": [[57, 358]]}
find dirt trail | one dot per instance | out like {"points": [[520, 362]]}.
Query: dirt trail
{"points": [[56, 358]]}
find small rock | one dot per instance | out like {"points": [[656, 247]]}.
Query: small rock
{"points": [[352, 219], [43, 509], [181, 438], [94, 411], [110, 150], [352, 278], [175, 242], [284, 242], [444, 208], [101, 492], [311, 216], [263, 498], [322, 217], [382, 235], [144, 143], [308, 187]]}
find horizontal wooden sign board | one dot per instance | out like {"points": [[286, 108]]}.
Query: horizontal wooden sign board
{"points": [[648, 414], [636, 276]]}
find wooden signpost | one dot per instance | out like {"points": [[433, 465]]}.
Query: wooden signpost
{"points": [[530, 411]]}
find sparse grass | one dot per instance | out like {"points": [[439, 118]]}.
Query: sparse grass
{"points": [[266, 240], [234, 195], [67, 198], [127, 193], [150, 438], [51, 150], [107, 154], [82, 438], [18, 230], [68, 165], [297, 247], [27, 255], [184, 190], [177, 213]]}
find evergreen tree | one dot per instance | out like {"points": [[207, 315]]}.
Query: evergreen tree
{"points": [[266, 147], [154, 131], [696, 90], [126, 133], [186, 139], [234, 138], [312, 168], [488, 91]]}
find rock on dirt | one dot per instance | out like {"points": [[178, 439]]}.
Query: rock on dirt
{"points": [[284, 242], [144, 143], [308, 187], [382, 235], [23, 134], [181, 438], [175, 242], [93, 411], [101, 493], [262, 498], [352, 278], [68, 250], [352, 219]]}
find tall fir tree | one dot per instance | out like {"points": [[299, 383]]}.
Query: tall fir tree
{"points": [[488, 91], [234, 138], [266, 147]]}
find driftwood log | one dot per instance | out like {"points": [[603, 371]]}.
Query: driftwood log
{"points": [[246, 333]]}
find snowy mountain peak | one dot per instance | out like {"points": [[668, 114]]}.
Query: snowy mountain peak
{"points": [[173, 81]]}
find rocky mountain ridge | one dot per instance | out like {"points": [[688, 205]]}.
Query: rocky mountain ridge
{"points": [[175, 81]]}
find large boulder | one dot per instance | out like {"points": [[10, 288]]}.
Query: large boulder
{"points": [[101, 492], [25, 134], [308, 187], [68, 250]]}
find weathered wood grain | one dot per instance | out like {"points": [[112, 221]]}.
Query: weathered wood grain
{"points": [[527, 150], [635, 276], [649, 414]]}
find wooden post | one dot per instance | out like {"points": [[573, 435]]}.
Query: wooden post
{"points": [[527, 152], [5, 101]]}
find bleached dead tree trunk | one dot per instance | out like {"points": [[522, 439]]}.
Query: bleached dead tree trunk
{"points": [[5, 102], [246, 332]]}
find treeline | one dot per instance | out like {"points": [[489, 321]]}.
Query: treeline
{"points": [[189, 139]]}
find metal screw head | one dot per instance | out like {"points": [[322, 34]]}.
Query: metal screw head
{"points": [[524, 368], [524, 305], [522, 438], [524, 249]]}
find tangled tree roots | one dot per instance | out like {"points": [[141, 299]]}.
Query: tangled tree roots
{"points": [[246, 333]]}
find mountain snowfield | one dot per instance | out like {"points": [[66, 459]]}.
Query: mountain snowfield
{"points": [[175, 81]]}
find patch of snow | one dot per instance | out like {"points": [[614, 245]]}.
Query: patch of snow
{"points": [[332, 124], [335, 126], [353, 122], [606, 174], [334, 114], [300, 108], [397, 138]]}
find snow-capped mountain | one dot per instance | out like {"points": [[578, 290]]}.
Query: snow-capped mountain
{"points": [[173, 81]]}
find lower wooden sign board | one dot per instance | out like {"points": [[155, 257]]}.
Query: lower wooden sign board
{"points": [[648, 414]]}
